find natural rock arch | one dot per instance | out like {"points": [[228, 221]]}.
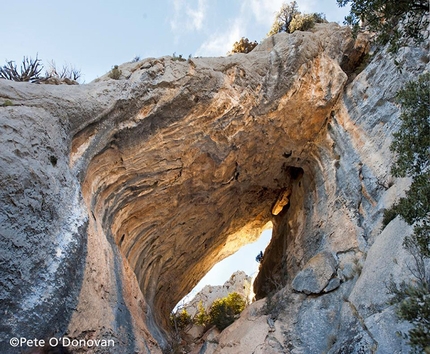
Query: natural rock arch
{"points": [[180, 164], [188, 166]]}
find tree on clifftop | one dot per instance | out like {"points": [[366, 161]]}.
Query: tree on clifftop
{"points": [[289, 19], [243, 46], [394, 21]]}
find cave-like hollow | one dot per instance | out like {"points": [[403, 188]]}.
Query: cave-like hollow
{"points": [[183, 174], [175, 208]]}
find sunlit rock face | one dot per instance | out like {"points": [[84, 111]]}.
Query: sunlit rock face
{"points": [[187, 163], [337, 207], [161, 174]]}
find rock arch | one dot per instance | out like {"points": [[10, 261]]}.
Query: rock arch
{"points": [[189, 166], [182, 163]]}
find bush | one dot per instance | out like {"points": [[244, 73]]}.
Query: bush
{"points": [[115, 73], [224, 311], [413, 305], [178, 57], [243, 46], [411, 144], [7, 103], [31, 68], [202, 318], [180, 320], [284, 17], [66, 72], [29, 71], [389, 215], [305, 22], [289, 19]]}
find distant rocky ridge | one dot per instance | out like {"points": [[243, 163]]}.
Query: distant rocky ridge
{"points": [[117, 196], [195, 335], [239, 283]]}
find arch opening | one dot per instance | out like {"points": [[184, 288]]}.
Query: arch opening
{"points": [[245, 259]]}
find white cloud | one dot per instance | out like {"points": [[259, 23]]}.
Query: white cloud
{"points": [[264, 10], [220, 43], [197, 16], [251, 11], [252, 14], [188, 17]]}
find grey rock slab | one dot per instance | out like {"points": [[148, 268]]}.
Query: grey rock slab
{"points": [[316, 274]]}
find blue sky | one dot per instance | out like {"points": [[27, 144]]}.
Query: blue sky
{"points": [[244, 259], [94, 35]]}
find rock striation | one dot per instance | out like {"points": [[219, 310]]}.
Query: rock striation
{"points": [[119, 195]]}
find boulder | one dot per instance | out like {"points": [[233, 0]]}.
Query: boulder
{"points": [[316, 274]]}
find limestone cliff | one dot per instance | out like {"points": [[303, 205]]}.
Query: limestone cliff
{"points": [[117, 196]]}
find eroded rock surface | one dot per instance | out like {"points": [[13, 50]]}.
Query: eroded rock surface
{"points": [[117, 196]]}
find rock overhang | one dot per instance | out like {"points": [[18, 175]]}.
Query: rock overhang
{"points": [[196, 152], [182, 162]]}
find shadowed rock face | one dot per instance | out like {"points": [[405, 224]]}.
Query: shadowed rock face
{"points": [[175, 167]]}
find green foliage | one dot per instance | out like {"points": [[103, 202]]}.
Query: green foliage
{"points": [[289, 19], [7, 103], [115, 73], [394, 21], [180, 320], [304, 22], [412, 141], [412, 146], [389, 215], [224, 311], [284, 17], [413, 305], [243, 46], [362, 63], [202, 318]]}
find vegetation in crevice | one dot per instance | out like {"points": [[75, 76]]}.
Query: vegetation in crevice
{"points": [[115, 73], [7, 103]]}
